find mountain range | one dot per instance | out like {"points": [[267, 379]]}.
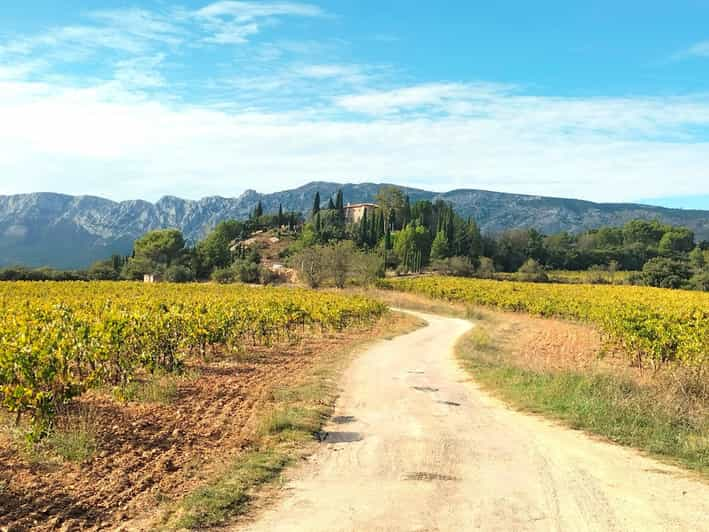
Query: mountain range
{"points": [[61, 231]]}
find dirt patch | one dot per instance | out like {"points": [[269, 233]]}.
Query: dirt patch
{"points": [[147, 454]]}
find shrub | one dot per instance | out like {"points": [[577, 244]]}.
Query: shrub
{"points": [[179, 274], [665, 273], [310, 264], [532, 271], [458, 266], [486, 268], [700, 281], [246, 271], [224, 276]]}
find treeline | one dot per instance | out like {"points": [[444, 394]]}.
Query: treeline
{"points": [[413, 237], [663, 255], [407, 236], [398, 235], [165, 254]]}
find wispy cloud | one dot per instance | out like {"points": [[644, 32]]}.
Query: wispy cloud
{"points": [[699, 49], [282, 111], [233, 22]]}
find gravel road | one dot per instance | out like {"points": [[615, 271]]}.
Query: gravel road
{"points": [[415, 445]]}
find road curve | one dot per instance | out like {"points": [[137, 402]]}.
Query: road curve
{"points": [[415, 445]]}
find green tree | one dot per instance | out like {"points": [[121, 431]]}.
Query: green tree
{"points": [[677, 240], [258, 210], [391, 199], [440, 248], [137, 267], [697, 258], [215, 250], [103, 271], [643, 232], [162, 246], [665, 273], [316, 205]]}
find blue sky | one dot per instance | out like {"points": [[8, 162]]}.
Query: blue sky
{"points": [[600, 101]]}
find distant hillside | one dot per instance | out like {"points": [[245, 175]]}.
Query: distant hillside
{"points": [[46, 229]]}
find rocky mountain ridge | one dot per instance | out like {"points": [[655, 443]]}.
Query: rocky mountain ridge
{"points": [[62, 231]]}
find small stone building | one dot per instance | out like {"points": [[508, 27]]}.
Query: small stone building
{"points": [[354, 212]]}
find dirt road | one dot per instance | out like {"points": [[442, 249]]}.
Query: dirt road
{"points": [[416, 446]]}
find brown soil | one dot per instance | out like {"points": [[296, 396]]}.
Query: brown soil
{"points": [[152, 453]]}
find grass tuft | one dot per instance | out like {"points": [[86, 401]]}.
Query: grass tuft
{"points": [[73, 439], [161, 389], [214, 503]]}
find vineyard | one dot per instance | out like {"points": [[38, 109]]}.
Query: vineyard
{"points": [[58, 340], [652, 325]]}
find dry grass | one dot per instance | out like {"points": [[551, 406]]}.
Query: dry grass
{"points": [[557, 368]]}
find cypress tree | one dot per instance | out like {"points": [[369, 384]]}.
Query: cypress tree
{"points": [[280, 215], [363, 228], [406, 213], [316, 204], [330, 205]]}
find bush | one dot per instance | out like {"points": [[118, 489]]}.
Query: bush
{"points": [[597, 274], [486, 268], [367, 268], [665, 273], [224, 276], [246, 271], [532, 271], [267, 276], [310, 264], [458, 266], [179, 274], [700, 281], [338, 259], [102, 271]]}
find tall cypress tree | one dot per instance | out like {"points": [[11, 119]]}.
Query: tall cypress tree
{"points": [[363, 228], [258, 211], [316, 204], [406, 213], [280, 215], [340, 207], [330, 205]]}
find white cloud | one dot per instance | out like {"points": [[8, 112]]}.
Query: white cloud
{"points": [[140, 72], [247, 11], [277, 114], [107, 142], [233, 22]]}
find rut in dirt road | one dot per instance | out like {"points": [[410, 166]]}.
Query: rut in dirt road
{"points": [[414, 445]]}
